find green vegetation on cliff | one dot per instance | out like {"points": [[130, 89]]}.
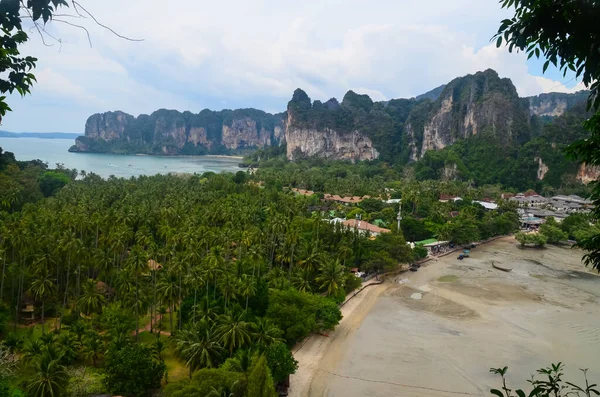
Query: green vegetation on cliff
{"points": [[485, 160], [172, 132]]}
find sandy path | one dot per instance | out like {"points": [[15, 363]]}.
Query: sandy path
{"points": [[311, 353]]}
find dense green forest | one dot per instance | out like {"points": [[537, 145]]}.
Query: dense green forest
{"points": [[203, 281], [481, 160], [485, 160]]}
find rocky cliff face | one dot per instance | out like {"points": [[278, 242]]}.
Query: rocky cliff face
{"points": [[395, 131], [587, 174], [467, 106], [554, 104], [170, 132], [312, 130], [327, 143], [108, 126]]}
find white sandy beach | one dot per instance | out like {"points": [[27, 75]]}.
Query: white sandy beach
{"points": [[439, 333]]}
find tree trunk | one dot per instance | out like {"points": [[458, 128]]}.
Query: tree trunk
{"points": [[291, 264], [194, 308], [43, 307], [180, 302], [19, 293], [62, 313], [137, 311], [171, 315], [3, 269]]}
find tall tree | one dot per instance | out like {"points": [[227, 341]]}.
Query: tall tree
{"points": [[567, 35], [331, 276], [234, 331], [198, 346], [260, 381], [42, 287], [92, 299], [50, 378]]}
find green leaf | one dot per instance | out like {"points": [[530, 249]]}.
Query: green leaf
{"points": [[496, 392], [499, 42], [520, 393], [545, 66]]}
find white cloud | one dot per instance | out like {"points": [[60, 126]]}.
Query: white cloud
{"points": [[236, 53], [54, 84]]}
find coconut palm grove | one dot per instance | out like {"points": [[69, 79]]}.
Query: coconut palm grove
{"points": [[191, 283]]}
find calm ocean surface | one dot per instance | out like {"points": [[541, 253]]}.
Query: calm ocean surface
{"points": [[53, 151]]}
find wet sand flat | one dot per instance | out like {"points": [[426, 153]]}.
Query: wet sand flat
{"points": [[438, 333]]}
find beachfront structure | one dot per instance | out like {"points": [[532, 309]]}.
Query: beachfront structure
{"points": [[487, 205], [363, 227], [444, 198], [433, 246]]}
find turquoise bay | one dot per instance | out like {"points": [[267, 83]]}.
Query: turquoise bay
{"points": [[53, 151]]}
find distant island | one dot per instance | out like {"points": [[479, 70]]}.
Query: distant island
{"points": [[40, 135]]}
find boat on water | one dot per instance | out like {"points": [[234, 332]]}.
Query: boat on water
{"points": [[503, 268]]}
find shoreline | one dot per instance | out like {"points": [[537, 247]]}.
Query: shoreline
{"points": [[447, 319], [317, 352], [311, 352], [222, 156]]}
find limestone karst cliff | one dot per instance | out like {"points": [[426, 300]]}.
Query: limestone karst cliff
{"points": [[169, 132], [398, 131]]}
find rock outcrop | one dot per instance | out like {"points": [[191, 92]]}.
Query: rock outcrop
{"points": [[587, 174], [312, 131], [169, 132], [542, 168], [554, 104], [467, 106], [482, 105]]}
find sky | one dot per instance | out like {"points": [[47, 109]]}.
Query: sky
{"points": [[229, 54]]}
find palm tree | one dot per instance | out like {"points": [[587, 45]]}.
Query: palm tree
{"points": [[41, 288], [196, 280], [241, 362], [229, 287], [168, 289], [92, 299], [303, 280], [138, 264], [265, 333], [69, 348], [93, 346], [248, 287], [50, 378], [331, 276], [33, 349], [234, 331], [198, 346]]}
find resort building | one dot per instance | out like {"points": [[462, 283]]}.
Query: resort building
{"points": [[364, 227]]}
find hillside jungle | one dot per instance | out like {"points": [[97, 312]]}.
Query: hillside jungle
{"points": [[200, 285]]}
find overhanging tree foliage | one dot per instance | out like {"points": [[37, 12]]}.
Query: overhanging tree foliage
{"points": [[567, 34], [15, 68]]}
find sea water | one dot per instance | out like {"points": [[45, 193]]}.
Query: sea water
{"points": [[56, 151]]}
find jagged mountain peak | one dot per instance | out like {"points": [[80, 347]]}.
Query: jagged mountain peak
{"points": [[357, 128]]}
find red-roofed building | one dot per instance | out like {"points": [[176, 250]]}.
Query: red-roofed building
{"points": [[364, 227]]}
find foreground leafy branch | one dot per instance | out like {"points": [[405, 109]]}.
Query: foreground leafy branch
{"points": [[551, 384]]}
